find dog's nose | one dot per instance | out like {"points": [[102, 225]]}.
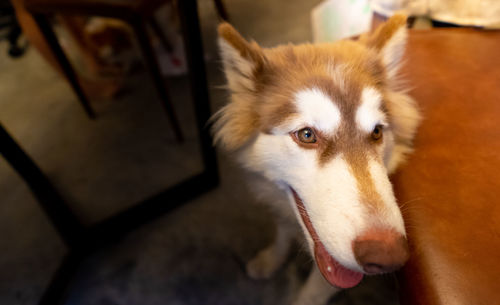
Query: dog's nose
{"points": [[380, 251]]}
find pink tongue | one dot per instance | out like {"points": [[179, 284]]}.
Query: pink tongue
{"points": [[333, 272]]}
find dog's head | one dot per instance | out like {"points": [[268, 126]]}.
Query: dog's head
{"points": [[327, 123]]}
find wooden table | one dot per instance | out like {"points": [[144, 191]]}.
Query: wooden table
{"points": [[450, 188]]}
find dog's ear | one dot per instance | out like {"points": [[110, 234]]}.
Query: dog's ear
{"points": [[242, 60], [389, 39]]}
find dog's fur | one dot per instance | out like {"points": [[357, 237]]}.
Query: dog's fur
{"points": [[337, 185]]}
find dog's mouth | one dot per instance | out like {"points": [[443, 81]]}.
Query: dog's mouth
{"points": [[332, 270]]}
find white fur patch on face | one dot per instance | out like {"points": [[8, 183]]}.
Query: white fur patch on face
{"points": [[315, 109], [391, 215], [331, 197], [369, 114]]}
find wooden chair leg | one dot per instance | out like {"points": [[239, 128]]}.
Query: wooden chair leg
{"points": [[221, 10], [152, 65], [51, 38]]}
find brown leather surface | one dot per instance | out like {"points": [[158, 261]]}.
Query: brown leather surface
{"points": [[450, 187], [119, 8]]}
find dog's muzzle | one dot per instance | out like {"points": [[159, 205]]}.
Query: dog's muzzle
{"points": [[331, 269]]}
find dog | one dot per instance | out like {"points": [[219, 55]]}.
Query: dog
{"points": [[320, 127]]}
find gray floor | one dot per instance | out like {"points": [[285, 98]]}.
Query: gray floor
{"points": [[193, 255]]}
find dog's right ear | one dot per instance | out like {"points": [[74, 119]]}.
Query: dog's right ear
{"points": [[242, 60], [235, 123]]}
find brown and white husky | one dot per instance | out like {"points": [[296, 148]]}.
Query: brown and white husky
{"points": [[321, 127]]}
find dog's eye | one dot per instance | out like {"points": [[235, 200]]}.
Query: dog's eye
{"points": [[377, 133], [306, 135]]}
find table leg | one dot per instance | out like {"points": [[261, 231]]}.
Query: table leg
{"points": [[198, 80], [63, 61], [64, 220]]}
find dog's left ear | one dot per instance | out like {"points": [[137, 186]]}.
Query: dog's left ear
{"points": [[389, 39]]}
